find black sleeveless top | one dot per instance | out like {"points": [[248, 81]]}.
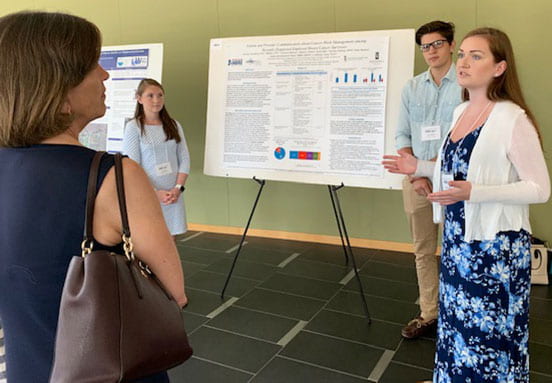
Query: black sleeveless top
{"points": [[42, 204]]}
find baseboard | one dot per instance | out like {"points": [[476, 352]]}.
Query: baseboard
{"points": [[304, 237]]}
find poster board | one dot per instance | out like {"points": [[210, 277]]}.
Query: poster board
{"points": [[127, 65], [316, 108]]}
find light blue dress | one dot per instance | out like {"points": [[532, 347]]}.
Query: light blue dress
{"points": [[151, 150]]}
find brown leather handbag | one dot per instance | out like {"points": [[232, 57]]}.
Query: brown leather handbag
{"points": [[116, 321]]}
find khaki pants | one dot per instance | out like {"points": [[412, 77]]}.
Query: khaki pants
{"points": [[424, 235]]}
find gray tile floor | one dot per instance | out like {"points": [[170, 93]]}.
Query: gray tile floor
{"points": [[292, 313]]}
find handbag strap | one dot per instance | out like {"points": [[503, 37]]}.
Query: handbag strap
{"points": [[88, 241], [127, 242], [121, 193]]}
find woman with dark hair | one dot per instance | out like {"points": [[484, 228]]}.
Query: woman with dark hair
{"points": [[157, 142], [51, 87], [489, 169]]}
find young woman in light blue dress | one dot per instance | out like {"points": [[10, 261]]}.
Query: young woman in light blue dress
{"points": [[157, 143]]}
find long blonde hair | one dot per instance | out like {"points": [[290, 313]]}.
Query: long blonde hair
{"points": [[42, 56]]}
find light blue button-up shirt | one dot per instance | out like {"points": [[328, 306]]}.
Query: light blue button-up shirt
{"points": [[423, 103]]}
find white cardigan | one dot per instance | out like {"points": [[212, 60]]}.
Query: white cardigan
{"points": [[507, 171]]}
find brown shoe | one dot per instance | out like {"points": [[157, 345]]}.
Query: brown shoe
{"points": [[417, 327]]}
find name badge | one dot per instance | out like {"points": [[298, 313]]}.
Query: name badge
{"points": [[431, 133], [163, 169], [445, 178]]}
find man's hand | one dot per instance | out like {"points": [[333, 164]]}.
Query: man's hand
{"points": [[422, 186]]}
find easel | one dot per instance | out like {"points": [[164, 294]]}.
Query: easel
{"points": [[345, 243]]}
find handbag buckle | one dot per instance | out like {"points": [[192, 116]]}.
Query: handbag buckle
{"points": [[144, 269], [127, 247], [86, 247]]}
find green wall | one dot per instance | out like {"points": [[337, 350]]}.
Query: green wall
{"points": [[185, 27]]}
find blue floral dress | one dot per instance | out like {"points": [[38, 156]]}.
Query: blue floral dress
{"points": [[484, 288]]}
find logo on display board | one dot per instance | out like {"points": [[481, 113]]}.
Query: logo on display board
{"points": [[132, 62], [235, 61], [279, 153]]}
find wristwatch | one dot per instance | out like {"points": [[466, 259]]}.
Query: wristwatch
{"points": [[180, 187]]}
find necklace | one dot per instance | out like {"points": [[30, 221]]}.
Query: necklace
{"points": [[472, 125], [461, 141]]}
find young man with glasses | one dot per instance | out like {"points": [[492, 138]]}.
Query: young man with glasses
{"points": [[427, 103]]}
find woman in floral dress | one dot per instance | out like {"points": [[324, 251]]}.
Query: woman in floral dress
{"points": [[490, 168]]}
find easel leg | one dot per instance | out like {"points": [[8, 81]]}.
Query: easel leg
{"points": [[262, 183], [339, 226], [333, 191]]}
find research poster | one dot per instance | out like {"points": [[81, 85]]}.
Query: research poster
{"points": [[127, 65], [305, 108]]}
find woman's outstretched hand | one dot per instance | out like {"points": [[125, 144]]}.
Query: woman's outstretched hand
{"points": [[403, 163], [459, 191]]}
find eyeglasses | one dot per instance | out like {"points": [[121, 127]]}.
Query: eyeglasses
{"points": [[435, 44]]}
